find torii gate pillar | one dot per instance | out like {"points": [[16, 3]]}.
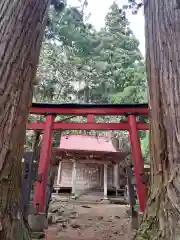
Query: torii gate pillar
{"points": [[137, 161], [44, 164]]}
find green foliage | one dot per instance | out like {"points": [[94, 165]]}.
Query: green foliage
{"points": [[56, 74], [118, 62], [81, 64], [134, 5]]}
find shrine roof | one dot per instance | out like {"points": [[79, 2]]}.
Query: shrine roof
{"points": [[87, 143]]}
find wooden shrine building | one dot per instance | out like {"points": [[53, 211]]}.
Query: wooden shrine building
{"points": [[87, 162]]}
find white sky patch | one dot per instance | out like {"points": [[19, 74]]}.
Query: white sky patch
{"points": [[99, 9]]}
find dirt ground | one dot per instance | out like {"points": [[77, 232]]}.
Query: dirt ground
{"points": [[92, 222]]}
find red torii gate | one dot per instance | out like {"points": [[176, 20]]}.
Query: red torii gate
{"points": [[131, 111]]}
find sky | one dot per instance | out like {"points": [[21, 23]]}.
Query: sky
{"points": [[98, 10]]}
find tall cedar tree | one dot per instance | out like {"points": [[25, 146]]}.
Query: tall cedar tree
{"points": [[162, 24], [21, 34], [106, 65], [123, 67]]}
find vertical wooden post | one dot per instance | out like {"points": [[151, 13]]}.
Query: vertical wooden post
{"points": [[29, 158], [90, 118], [49, 187], [101, 169], [138, 161], [44, 164], [132, 198], [115, 142], [105, 181], [59, 173], [73, 194], [116, 177], [27, 182]]}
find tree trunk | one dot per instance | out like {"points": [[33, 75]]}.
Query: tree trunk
{"points": [[49, 187], [21, 33], [162, 25]]}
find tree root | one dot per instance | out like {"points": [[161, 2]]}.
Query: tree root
{"points": [[148, 230], [162, 217], [21, 232], [17, 230]]}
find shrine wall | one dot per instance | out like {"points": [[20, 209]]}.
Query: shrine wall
{"points": [[88, 175]]}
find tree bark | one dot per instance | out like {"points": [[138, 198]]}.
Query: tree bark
{"points": [[21, 34], [162, 27]]}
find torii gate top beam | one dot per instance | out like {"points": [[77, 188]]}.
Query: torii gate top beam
{"points": [[85, 109]]}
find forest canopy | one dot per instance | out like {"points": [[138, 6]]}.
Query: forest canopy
{"points": [[81, 64]]}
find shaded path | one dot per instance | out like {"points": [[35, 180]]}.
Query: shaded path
{"points": [[94, 222]]}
